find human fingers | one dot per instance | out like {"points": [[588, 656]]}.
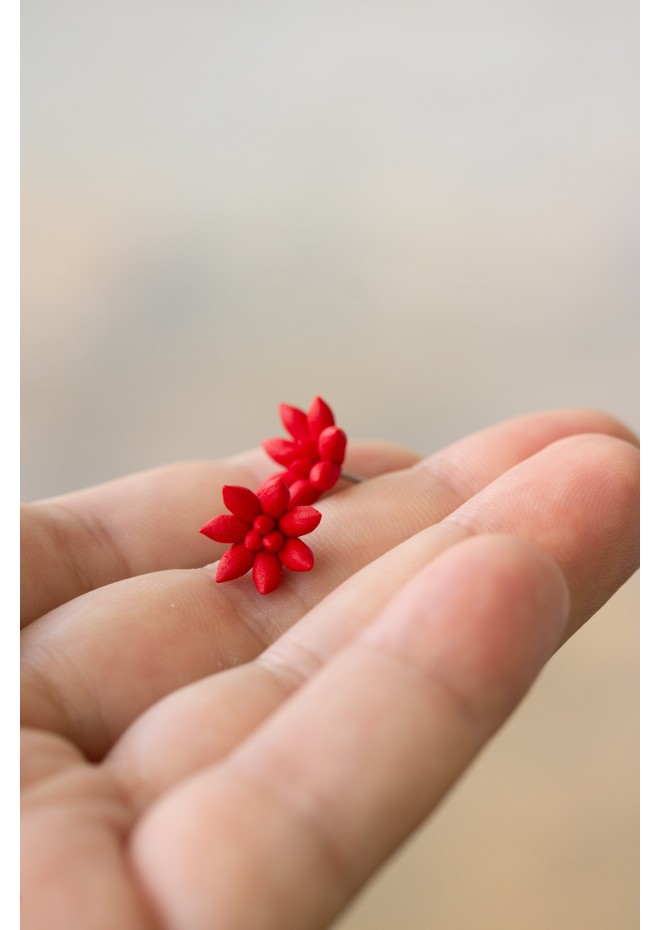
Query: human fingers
{"points": [[577, 499], [93, 666], [285, 832], [148, 522], [144, 523]]}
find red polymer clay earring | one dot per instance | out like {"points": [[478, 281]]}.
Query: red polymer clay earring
{"points": [[264, 528], [313, 457]]}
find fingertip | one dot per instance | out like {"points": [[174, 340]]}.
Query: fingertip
{"points": [[595, 420]]}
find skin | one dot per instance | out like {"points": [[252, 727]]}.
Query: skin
{"points": [[197, 756]]}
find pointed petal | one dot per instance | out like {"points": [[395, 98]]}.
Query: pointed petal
{"points": [[302, 492], [274, 498], [276, 474], [319, 416], [282, 451], [267, 572], [324, 476], [297, 556], [295, 421], [299, 521], [236, 561], [225, 529], [288, 477], [241, 501], [332, 444]]}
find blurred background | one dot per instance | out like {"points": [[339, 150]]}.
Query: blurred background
{"points": [[426, 212]]}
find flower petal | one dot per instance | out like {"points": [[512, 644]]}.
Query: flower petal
{"points": [[276, 474], [295, 421], [297, 556], [299, 521], [267, 572], [282, 451], [236, 561], [241, 501], [332, 444], [324, 475], [302, 492], [274, 498], [225, 529], [319, 416]]}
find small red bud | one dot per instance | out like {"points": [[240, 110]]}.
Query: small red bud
{"points": [[273, 541], [253, 541], [264, 524]]}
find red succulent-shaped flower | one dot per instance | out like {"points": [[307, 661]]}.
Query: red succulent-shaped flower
{"points": [[264, 529], [314, 454]]}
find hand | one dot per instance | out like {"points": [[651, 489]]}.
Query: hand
{"points": [[197, 756]]}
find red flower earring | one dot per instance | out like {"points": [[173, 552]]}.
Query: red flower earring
{"points": [[264, 527], [313, 457]]}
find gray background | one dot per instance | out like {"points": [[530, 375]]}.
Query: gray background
{"points": [[425, 212]]}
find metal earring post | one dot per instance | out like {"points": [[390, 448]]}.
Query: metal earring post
{"points": [[354, 479]]}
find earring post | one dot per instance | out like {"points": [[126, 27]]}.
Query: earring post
{"points": [[354, 479]]}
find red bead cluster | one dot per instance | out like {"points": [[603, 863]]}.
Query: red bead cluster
{"points": [[264, 528]]}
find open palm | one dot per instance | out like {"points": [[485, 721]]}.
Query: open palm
{"points": [[199, 757]]}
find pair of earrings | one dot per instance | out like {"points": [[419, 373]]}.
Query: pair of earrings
{"points": [[264, 527]]}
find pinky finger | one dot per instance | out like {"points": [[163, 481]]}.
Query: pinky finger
{"points": [[289, 828]]}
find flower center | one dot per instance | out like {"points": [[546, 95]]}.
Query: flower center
{"points": [[273, 541], [301, 467], [263, 524], [307, 449]]}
